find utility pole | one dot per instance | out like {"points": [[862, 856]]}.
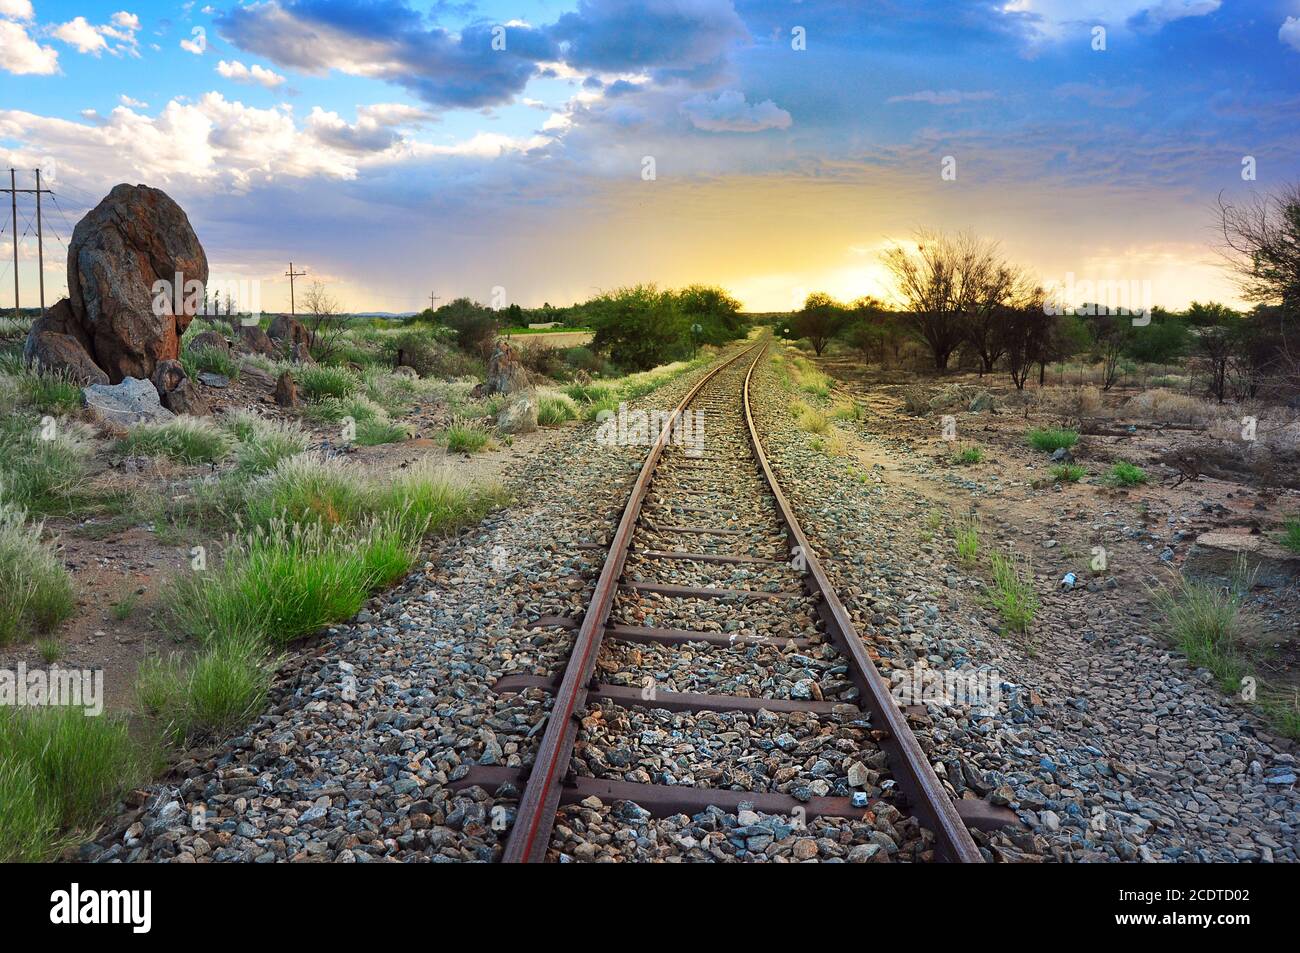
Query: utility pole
{"points": [[291, 274], [13, 191], [433, 301]]}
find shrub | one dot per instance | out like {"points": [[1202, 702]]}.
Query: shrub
{"points": [[1068, 472], [1074, 402], [544, 360], [35, 589], [639, 327], [968, 455], [1170, 407], [185, 440], [1012, 595], [1051, 439], [1126, 474], [424, 351], [319, 381]]}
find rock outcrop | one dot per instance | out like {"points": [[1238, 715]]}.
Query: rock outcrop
{"points": [[177, 392], [133, 401], [520, 414], [56, 342], [286, 390], [287, 332]]}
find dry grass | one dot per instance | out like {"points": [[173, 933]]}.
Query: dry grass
{"points": [[1073, 402], [1169, 407]]}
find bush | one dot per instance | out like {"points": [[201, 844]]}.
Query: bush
{"points": [[1126, 474], [1170, 407], [1049, 440], [1068, 472], [425, 351], [319, 381], [587, 361], [475, 326], [1012, 595], [35, 589], [639, 327], [544, 360], [1074, 402], [185, 440]]}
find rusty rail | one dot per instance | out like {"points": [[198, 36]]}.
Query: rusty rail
{"points": [[545, 789]]}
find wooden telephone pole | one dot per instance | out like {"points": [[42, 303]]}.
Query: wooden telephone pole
{"points": [[291, 274], [13, 191]]}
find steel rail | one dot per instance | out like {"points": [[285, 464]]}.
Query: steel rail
{"points": [[543, 792], [927, 797], [535, 816]]}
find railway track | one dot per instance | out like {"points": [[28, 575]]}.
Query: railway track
{"points": [[709, 578]]}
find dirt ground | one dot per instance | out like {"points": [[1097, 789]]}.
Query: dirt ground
{"points": [[1198, 482]]}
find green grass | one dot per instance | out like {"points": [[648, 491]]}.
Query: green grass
{"points": [[1049, 439], [465, 438], [125, 605], [318, 381], [308, 489], [1068, 472], [966, 537], [371, 433], [209, 359], [217, 692], [42, 469], [1207, 623], [809, 418], [968, 455], [1290, 537], [185, 440], [264, 443], [36, 592], [286, 582], [1012, 594], [848, 410], [1126, 474], [59, 770], [50, 650], [49, 393], [555, 409]]}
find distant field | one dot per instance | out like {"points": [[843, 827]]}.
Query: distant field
{"points": [[550, 338]]}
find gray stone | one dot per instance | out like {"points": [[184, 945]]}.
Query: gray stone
{"points": [[133, 401]]}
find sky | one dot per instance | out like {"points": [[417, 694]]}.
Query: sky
{"points": [[530, 151]]}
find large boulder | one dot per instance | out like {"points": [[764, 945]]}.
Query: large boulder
{"points": [[286, 390], [209, 341], [56, 342], [287, 331], [134, 238], [177, 392], [505, 374], [519, 415], [253, 340], [133, 401]]}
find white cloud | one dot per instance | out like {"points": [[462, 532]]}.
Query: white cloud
{"points": [[130, 103], [16, 9], [21, 55], [729, 112], [239, 73], [198, 44], [88, 38], [79, 33], [1290, 33], [946, 97]]}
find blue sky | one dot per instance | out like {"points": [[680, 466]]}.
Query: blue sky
{"points": [[395, 150]]}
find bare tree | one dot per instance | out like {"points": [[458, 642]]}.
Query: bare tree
{"points": [[948, 282], [1261, 239], [321, 317]]}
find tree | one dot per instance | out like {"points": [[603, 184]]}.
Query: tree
{"points": [[819, 320], [1261, 239], [993, 288], [1215, 333], [320, 316], [638, 327], [1111, 334], [945, 281], [872, 329], [714, 310], [475, 325], [1028, 331], [1163, 341]]}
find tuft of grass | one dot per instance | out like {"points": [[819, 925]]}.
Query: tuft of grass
{"points": [[848, 410], [555, 409], [210, 359], [264, 443], [809, 418], [1290, 537], [287, 581], [318, 381], [1126, 474], [125, 605], [966, 536], [968, 456], [592, 393], [185, 440], [1068, 472], [59, 770], [220, 690], [43, 468], [371, 433], [51, 650], [463, 437], [1049, 439], [1012, 594], [307, 489], [1207, 623], [48, 392], [35, 589]]}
